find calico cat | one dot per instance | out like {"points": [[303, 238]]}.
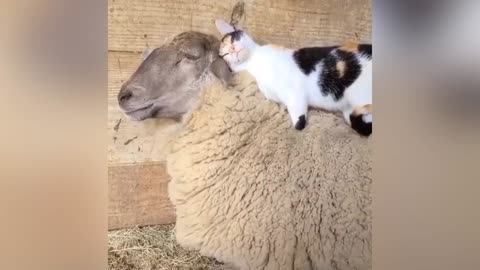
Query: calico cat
{"points": [[337, 78]]}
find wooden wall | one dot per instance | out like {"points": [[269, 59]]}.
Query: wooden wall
{"points": [[137, 176]]}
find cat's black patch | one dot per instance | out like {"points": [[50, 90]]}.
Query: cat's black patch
{"points": [[331, 82], [236, 35], [301, 123], [365, 49], [308, 58], [363, 128]]}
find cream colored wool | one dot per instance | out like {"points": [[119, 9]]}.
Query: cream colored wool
{"points": [[252, 191]]}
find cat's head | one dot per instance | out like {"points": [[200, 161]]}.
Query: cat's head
{"points": [[236, 46]]}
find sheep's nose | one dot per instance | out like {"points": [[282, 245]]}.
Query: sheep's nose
{"points": [[124, 96]]}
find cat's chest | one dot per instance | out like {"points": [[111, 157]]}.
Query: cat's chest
{"points": [[266, 83], [264, 72]]}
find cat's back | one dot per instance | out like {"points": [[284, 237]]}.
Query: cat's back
{"points": [[335, 70], [273, 62], [273, 54], [332, 57]]}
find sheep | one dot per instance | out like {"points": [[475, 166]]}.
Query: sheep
{"points": [[248, 189]]}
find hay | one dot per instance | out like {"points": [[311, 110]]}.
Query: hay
{"points": [[152, 247]]}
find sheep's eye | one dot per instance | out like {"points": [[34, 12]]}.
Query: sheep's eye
{"points": [[191, 56], [178, 61], [186, 56]]}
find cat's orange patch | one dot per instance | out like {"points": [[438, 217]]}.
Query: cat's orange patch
{"points": [[350, 46], [341, 66], [365, 109], [277, 47]]}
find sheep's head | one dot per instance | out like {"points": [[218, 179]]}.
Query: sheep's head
{"points": [[167, 83]]}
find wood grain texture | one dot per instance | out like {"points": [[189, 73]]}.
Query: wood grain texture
{"points": [[136, 24], [138, 195], [132, 141]]}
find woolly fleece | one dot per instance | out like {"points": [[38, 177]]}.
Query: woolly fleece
{"points": [[252, 191]]}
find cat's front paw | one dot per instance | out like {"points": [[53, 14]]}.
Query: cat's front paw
{"points": [[301, 123]]}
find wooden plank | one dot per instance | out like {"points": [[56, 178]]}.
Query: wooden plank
{"points": [[132, 141], [136, 24], [138, 195]]}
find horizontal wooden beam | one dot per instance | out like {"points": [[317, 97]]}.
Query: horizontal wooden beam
{"points": [[138, 195], [136, 24]]}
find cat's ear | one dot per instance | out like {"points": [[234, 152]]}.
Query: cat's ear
{"points": [[223, 27]]}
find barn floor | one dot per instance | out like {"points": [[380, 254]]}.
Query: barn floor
{"points": [[151, 247]]}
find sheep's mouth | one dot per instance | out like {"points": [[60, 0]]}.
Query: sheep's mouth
{"points": [[142, 113], [140, 109]]}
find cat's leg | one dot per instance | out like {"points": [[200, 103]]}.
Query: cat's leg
{"points": [[268, 95], [360, 114], [271, 97], [359, 118], [263, 89], [297, 107], [346, 115]]}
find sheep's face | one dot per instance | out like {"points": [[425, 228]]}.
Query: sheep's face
{"points": [[168, 81]]}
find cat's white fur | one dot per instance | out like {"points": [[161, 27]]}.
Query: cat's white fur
{"points": [[281, 80]]}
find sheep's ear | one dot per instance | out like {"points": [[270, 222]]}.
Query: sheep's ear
{"points": [[220, 69], [224, 27], [146, 52], [192, 49]]}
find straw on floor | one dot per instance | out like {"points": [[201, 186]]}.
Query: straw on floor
{"points": [[152, 247]]}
